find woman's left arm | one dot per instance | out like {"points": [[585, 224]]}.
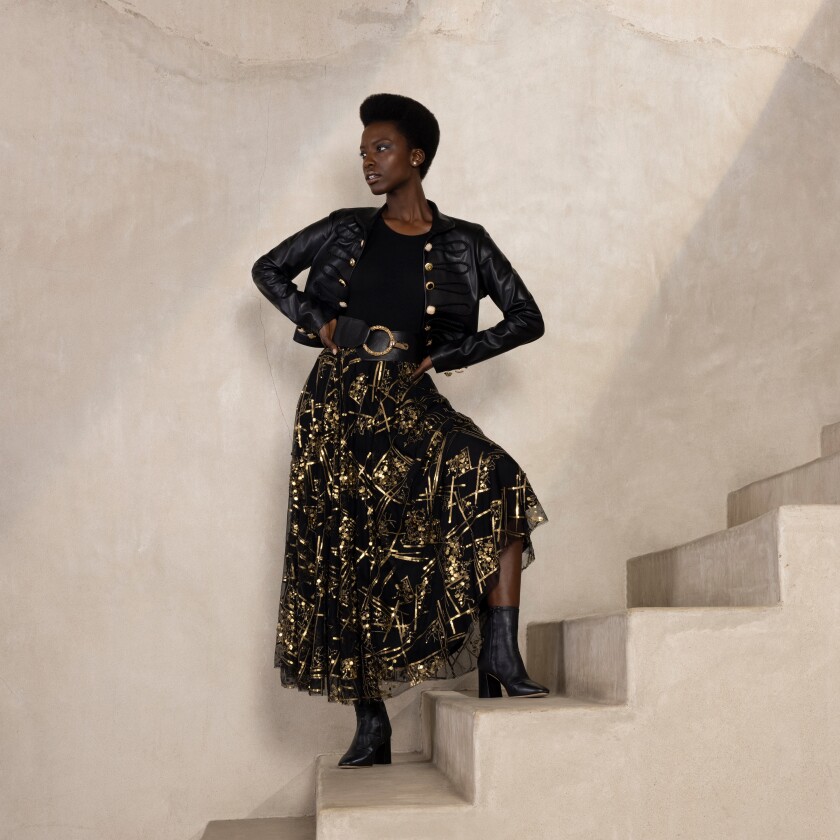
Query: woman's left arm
{"points": [[522, 321]]}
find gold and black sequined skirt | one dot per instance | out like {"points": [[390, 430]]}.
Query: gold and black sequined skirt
{"points": [[398, 509]]}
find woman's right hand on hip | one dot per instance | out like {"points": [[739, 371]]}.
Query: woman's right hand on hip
{"points": [[326, 334]]}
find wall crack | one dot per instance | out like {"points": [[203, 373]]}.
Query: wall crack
{"points": [[788, 54], [313, 65]]}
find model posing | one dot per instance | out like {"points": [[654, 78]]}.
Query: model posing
{"points": [[408, 528]]}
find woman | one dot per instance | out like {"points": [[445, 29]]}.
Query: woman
{"points": [[407, 529]]}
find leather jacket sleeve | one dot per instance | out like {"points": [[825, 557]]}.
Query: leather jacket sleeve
{"points": [[522, 321], [274, 272]]}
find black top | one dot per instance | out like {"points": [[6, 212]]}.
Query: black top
{"points": [[387, 284]]}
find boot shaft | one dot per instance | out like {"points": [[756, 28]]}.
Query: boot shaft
{"points": [[372, 718], [500, 645]]}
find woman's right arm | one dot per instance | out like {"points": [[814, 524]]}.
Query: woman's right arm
{"points": [[275, 271]]}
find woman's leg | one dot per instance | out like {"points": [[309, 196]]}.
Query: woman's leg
{"points": [[500, 662], [506, 590]]}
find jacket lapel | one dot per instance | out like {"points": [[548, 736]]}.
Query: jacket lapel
{"points": [[366, 216]]}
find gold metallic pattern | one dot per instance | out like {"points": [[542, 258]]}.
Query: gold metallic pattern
{"points": [[392, 342], [460, 463], [398, 509]]}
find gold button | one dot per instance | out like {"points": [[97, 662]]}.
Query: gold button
{"points": [[342, 281], [301, 329], [428, 246], [343, 304], [428, 266], [352, 261], [427, 327], [430, 285], [428, 342], [430, 310]]}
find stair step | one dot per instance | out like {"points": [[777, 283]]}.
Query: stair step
{"points": [[460, 728], [734, 572], [727, 688], [371, 801], [735, 691], [269, 828], [582, 657], [738, 567], [814, 483], [830, 439], [589, 658]]}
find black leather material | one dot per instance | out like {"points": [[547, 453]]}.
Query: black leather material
{"points": [[372, 741], [461, 265], [500, 662], [351, 332], [356, 334]]}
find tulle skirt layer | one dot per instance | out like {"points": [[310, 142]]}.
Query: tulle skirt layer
{"points": [[399, 507]]}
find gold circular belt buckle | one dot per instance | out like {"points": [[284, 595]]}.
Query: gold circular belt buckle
{"points": [[391, 339]]}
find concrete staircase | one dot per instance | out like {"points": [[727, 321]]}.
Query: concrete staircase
{"points": [[817, 482], [706, 709]]}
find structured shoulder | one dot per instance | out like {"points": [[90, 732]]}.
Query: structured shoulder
{"points": [[363, 215], [454, 227], [468, 227]]}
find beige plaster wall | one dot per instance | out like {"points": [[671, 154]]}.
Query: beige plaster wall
{"points": [[664, 176]]}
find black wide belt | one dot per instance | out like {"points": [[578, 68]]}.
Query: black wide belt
{"points": [[377, 341]]}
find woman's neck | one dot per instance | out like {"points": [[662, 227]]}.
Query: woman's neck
{"points": [[407, 210]]}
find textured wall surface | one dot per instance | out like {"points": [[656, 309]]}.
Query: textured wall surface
{"points": [[665, 177]]}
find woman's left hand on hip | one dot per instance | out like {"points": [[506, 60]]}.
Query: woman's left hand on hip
{"points": [[425, 365]]}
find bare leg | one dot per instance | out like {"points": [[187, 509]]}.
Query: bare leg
{"points": [[506, 590]]}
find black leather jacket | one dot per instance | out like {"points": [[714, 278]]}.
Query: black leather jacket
{"points": [[462, 265]]}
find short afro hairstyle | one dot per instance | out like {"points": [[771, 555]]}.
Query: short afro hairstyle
{"points": [[414, 121]]}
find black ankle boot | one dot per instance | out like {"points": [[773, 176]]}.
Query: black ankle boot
{"points": [[500, 662], [372, 741]]}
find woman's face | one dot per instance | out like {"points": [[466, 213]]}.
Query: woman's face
{"points": [[387, 161]]}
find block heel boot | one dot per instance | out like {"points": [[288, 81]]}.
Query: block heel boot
{"points": [[372, 741], [500, 663]]}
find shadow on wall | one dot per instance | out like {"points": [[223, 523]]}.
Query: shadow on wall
{"points": [[739, 343]]}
